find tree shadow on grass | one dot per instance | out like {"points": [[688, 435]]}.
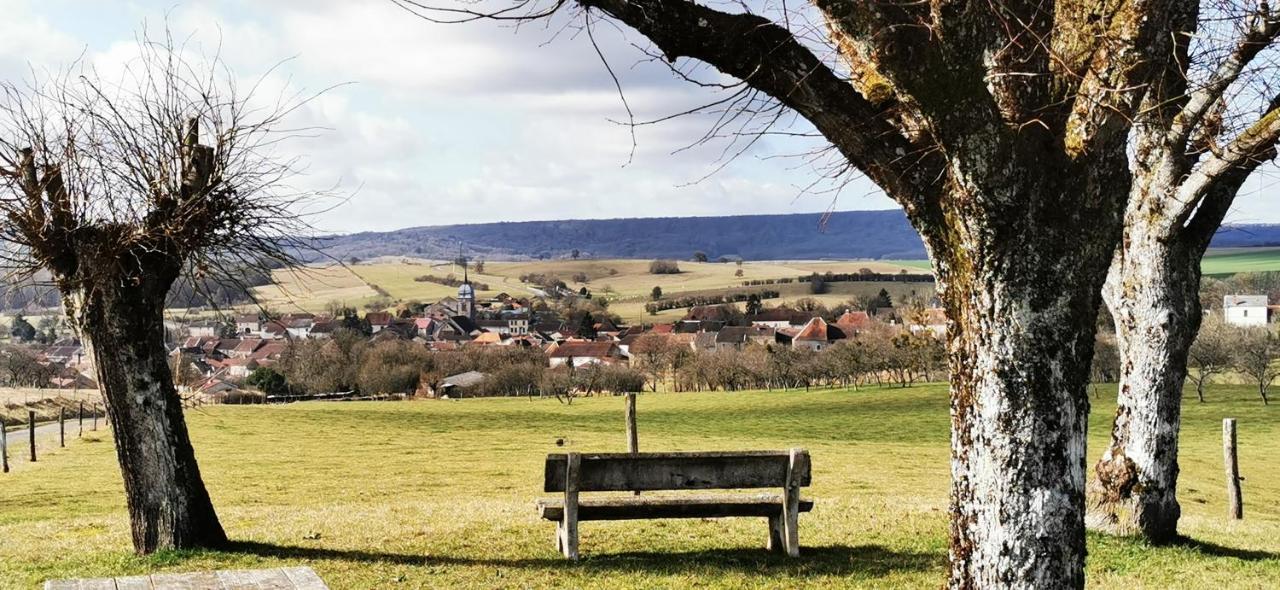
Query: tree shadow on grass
{"points": [[840, 560], [1216, 550]]}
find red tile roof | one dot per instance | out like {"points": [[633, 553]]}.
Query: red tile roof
{"points": [[586, 349], [816, 329]]}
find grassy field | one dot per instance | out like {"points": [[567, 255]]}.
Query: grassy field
{"points": [[627, 283], [1229, 261], [437, 494]]}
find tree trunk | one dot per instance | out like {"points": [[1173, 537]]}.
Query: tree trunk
{"points": [[122, 326], [1153, 293], [1023, 313]]}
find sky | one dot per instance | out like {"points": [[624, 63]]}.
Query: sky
{"points": [[433, 124]]}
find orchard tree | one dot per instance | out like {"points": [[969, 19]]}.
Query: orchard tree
{"points": [[1212, 353], [1208, 118], [1256, 353], [1002, 129], [118, 187]]}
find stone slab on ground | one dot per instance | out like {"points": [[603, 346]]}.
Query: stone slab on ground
{"points": [[289, 578]]}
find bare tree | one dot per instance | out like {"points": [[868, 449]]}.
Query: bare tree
{"points": [[1211, 354], [1256, 353], [1002, 129], [1208, 119], [119, 187]]}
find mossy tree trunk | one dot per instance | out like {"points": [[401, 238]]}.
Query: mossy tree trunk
{"points": [[120, 318], [1189, 166]]}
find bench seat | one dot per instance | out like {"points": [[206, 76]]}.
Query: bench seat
{"points": [[631, 508]]}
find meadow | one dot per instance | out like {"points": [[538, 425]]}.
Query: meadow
{"points": [[626, 283], [1229, 261], [439, 494]]}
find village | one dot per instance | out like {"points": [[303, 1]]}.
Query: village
{"points": [[500, 345]]}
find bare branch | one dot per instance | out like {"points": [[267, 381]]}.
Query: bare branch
{"points": [[1261, 32]]}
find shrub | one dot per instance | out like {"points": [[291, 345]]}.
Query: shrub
{"points": [[664, 267]]}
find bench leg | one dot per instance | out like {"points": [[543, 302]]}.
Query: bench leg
{"points": [[791, 532], [570, 518], [559, 537], [569, 538], [775, 534]]}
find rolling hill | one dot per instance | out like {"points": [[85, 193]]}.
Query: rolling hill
{"points": [[801, 236]]}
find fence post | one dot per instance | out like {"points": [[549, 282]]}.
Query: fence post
{"points": [[81, 435], [4, 446], [1235, 498], [62, 427], [95, 417], [633, 437], [31, 432]]}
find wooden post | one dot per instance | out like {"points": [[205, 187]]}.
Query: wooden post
{"points": [[791, 503], [1235, 498], [95, 417], [62, 427], [4, 446], [31, 432], [569, 526], [81, 434], [633, 436]]}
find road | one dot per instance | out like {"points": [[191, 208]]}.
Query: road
{"points": [[44, 434]]}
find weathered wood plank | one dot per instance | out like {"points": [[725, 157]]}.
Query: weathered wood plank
{"points": [[134, 583], [62, 585], [604, 472], [272, 579], [676, 507], [304, 578], [293, 578], [798, 464], [569, 518], [192, 581]]}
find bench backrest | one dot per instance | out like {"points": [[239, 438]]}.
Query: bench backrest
{"points": [[619, 472]]}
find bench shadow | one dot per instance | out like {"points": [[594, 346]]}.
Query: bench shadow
{"points": [[1217, 550], [867, 560]]}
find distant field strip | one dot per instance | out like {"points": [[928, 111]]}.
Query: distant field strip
{"points": [[312, 288], [1238, 260]]}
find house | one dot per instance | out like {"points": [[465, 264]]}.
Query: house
{"points": [[378, 320], [299, 327], [425, 327], [248, 323], [578, 354], [1245, 310], [454, 385], [322, 328], [704, 341], [487, 338], [816, 335], [853, 323], [246, 347], [780, 317], [203, 329], [737, 337]]}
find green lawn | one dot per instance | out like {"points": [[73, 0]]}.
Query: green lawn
{"points": [[1236, 260], [434, 494]]}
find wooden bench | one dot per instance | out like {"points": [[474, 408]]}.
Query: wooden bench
{"points": [[573, 473]]}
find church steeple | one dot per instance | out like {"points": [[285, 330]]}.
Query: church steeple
{"points": [[466, 293]]}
